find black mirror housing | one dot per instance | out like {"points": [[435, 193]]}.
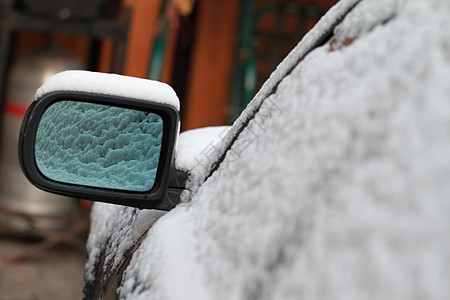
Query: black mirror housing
{"points": [[63, 175]]}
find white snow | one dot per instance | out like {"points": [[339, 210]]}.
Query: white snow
{"points": [[336, 189], [196, 146], [110, 84]]}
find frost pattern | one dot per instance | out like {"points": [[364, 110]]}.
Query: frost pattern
{"points": [[99, 145]]}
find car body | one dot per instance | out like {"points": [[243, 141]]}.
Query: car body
{"points": [[332, 184]]}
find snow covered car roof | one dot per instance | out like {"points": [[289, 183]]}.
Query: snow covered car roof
{"points": [[332, 184]]}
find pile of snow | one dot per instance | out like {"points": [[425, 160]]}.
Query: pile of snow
{"points": [[197, 145], [99, 145], [336, 189], [110, 84]]}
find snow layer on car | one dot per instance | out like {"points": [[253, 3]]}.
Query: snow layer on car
{"points": [[336, 189], [110, 84], [114, 147]]}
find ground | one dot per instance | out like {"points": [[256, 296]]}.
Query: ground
{"points": [[55, 274]]}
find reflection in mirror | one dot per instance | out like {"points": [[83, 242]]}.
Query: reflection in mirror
{"points": [[99, 145]]}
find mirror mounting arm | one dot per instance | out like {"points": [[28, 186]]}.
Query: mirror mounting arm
{"points": [[177, 178], [176, 185]]}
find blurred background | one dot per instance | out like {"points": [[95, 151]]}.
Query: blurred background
{"points": [[215, 54]]}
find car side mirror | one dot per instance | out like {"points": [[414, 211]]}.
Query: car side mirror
{"points": [[103, 137]]}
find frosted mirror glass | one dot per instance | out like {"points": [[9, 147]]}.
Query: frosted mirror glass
{"points": [[99, 145]]}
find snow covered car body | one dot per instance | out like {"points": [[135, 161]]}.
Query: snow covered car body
{"points": [[332, 184]]}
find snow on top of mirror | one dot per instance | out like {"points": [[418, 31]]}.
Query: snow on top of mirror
{"points": [[110, 84]]}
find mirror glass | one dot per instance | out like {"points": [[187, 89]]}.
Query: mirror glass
{"points": [[99, 145]]}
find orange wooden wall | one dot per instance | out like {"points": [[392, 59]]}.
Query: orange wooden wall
{"points": [[210, 78], [143, 28]]}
